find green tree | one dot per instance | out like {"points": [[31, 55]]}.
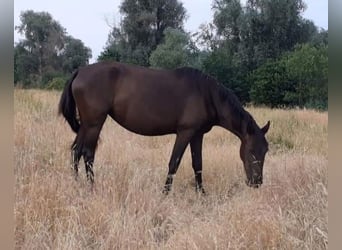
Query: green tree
{"points": [[207, 37], [75, 54], [177, 50], [227, 19], [270, 84], [298, 78], [25, 65], [320, 38], [308, 67], [44, 38], [272, 27], [263, 29], [242, 39], [142, 29], [46, 51], [220, 63]]}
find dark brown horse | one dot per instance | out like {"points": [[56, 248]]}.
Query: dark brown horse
{"points": [[158, 102]]}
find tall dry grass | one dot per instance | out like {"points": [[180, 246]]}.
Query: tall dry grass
{"points": [[127, 209]]}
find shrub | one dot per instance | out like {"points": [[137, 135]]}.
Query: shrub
{"points": [[56, 83]]}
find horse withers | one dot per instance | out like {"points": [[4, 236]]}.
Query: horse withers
{"points": [[153, 102]]}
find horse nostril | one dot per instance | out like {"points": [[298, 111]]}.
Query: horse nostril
{"points": [[259, 181]]}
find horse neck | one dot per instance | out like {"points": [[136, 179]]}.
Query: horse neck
{"points": [[235, 124], [232, 116]]}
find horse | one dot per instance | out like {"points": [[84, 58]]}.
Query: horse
{"points": [[154, 102]]}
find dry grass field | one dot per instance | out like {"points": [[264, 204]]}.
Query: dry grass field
{"points": [[127, 209]]}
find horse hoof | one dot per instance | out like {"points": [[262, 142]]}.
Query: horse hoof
{"points": [[165, 192], [201, 191]]}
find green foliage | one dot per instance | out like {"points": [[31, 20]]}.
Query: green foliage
{"points": [[142, 29], [25, 65], [261, 30], [245, 44], [308, 67], [74, 55], [270, 84], [46, 51], [44, 39], [227, 19], [221, 64], [320, 38], [177, 50], [49, 75], [299, 78], [56, 83], [271, 27], [110, 53]]}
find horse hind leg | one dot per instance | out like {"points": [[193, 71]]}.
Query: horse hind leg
{"points": [[76, 153], [91, 136]]}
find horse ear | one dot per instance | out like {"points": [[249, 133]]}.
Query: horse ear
{"points": [[266, 127]]}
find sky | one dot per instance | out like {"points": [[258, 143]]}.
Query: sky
{"points": [[91, 21]]}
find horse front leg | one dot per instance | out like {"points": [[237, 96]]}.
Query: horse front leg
{"points": [[182, 140], [196, 155]]}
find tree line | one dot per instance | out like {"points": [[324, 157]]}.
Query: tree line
{"points": [[265, 51], [47, 55]]}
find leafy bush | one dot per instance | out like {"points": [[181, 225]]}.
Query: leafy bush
{"points": [[221, 64], [177, 50], [298, 78], [57, 83], [268, 84]]}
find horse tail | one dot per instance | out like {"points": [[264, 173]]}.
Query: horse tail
{"points": [[67, 105]]}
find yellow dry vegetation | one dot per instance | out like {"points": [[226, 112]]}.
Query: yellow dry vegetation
{"points": [[127, 209]]}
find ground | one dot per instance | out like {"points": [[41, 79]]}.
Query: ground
{"points": [[127, 209]]}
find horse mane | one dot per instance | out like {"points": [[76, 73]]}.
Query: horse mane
{"points": [[195, 74], [224, 93], [233, 101]]}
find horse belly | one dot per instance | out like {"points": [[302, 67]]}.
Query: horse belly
{"points": [[146, 120]]}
